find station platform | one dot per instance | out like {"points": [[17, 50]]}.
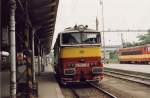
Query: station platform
{"points": [[47, 85], [130, 67], [5, 84]]}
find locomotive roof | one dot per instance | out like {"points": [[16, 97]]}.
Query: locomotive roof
{"points": [[78, 28], [70, 31]]}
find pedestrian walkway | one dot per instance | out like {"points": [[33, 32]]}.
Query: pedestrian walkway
{"points": [[48, 87], [5, 84]]}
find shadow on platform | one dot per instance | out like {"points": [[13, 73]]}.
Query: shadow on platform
{"points": [[46, 76], [4, 84]]}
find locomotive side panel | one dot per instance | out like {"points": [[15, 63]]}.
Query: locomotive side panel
{"points": [[138, 54]]}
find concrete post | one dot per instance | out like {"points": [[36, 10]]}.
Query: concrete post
{"points": [[102, 13], [42, 59], [46, 61], [39, 68], [33, 65], [12, 49]]}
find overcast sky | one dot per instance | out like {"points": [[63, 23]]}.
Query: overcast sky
{"points": [[118, 14]]}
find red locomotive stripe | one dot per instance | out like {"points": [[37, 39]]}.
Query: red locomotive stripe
{"points": [[77, 59]]}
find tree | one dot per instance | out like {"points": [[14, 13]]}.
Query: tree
{"points": [[144, 39], [113, 56], [127, 44]]}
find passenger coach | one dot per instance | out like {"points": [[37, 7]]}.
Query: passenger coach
{"points": [[77, 55], [138, 54]]}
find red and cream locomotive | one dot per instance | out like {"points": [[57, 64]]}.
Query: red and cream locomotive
{"points": [[77, 55]]}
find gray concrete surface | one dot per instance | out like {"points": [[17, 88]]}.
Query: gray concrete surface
{"points": [[48, 87], [130, 67], [125, 89], [4, 84]]}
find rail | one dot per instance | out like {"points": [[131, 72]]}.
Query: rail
{"points": [[95, 87], [129, 77], [102, 90], [75, 93]]}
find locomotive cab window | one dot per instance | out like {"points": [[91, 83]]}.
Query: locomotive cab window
{"points": [[90, 38], [80, 38], [71, 38]]}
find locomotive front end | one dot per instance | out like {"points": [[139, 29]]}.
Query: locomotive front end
{"points": [[81, 64], [77, 54], [80, 55]]}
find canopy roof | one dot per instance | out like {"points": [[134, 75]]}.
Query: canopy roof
{"points": [[43, 16], [39, 14]]}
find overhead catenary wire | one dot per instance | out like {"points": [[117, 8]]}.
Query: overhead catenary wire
{"points": [[127, 30]]}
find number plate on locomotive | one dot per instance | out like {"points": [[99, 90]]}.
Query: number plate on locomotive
{"points": [[82, 65]]}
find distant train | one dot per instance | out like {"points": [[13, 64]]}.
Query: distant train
{"points": [[77, 55], [138, 54]]}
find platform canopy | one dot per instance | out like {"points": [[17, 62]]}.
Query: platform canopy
{"points": [[43, 16], [40, 15]]}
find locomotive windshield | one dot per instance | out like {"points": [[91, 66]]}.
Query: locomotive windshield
{"points": [[76, 38]]}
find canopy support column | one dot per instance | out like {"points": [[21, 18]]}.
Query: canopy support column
{"points": [[39, 66], [33, 65], [12, 49]]}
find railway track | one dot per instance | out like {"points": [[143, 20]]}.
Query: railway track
{"points": [[102, 90], [94, 91], [130, 77]]}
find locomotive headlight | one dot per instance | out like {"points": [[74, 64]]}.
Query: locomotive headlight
{"points": [[97, 70], [71, 65], [93, 64], [81, 28], [70, 71]]}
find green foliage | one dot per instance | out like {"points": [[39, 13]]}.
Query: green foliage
{"points": [[127, 44], [113, 57], [144, 39], [112, 54]]}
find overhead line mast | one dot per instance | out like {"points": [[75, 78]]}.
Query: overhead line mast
{"points": [[102, 16]]}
